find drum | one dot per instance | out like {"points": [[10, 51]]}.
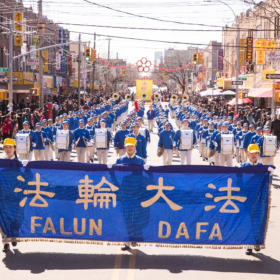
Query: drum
{"points": [[23, 143], [227, 144], [186, 140], [90, 143], [101, 138], [269, 145], [62, 139]]}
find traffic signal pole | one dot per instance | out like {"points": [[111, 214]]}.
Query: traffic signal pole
{"points": [[79, 72], [11, 68], [41, 94], [237, 68], [93, 64]]}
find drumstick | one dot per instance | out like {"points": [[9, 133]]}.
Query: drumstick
{"points": [[43, 140], [77, 142], [85, 142]]}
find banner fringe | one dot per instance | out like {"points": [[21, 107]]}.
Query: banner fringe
{"points": [[138, 244]]}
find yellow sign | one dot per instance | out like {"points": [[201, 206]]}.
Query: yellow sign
{"points": [[45, 62], [18, 27], [270, 45], [28, 77], [260, 45], [18, 17], [144, 86], [277, 86], [19, 76], [260, 57], [276, 96], [221, 82], [18, 40], [242, 58], [242, 45], [75, 83], [268, 71]]}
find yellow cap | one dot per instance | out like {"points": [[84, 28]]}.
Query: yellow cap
{"points": [[9, 142], [130, 141], [253, 148]]}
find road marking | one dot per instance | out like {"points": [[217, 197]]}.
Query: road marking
{"points": [[131, 265], [117, 265]]}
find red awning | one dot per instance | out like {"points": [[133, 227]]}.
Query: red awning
{"points": [[266, 94], [256, 92], [240, 101]]}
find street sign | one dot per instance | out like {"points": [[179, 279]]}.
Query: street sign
{"points": [[6, 79], [32, 62], [4, 69], [242, 79], [237, 83], [272, 76]]}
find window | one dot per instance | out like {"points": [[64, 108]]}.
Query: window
{"points": [[1, 58], [250, 33], [276, 27], [267, 30], [258, 32]]}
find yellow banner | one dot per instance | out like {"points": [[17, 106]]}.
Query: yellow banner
{"points": [[260, 45], [45, 62], [144, 86], [260, 57], [18, 17], [19, 75], [242, 45], [242, 58], [270, 45], [18, 40]]}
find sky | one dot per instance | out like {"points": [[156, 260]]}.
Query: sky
{"points": [[213, 15]]}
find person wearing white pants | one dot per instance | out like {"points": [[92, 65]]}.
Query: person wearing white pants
{"points": [[102, 153], [166, 139], [90, 147], [26, 130], [182, 145], [38, 142], [151, 118], [49, 141], [81, 137], [225, 160], [266, 160]]}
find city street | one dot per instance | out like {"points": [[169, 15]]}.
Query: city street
{"points": [[39, 260]]}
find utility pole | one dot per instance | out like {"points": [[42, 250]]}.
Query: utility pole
{"points": [[108, 66], [41, 78], [79, 72], [98, 78], [237, 68], [11, 67], [93, 64]]}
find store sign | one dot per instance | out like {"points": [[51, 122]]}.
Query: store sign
{"points": [[32, 62], [69, 65], [220, 60], [57, 61], [273, 56], [260, 57], [249, 54]]}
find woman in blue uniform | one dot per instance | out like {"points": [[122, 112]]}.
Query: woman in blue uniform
{"points": [[9, 146]]}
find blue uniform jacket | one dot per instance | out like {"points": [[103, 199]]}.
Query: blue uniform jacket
{"points": [[29, 131], [151, 114], [81, 135], [119, 138], [49, 134], [247, 139], [39, 138], [135, 160], [141, 148], [166, 138]]}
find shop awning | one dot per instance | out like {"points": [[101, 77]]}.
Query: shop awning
{"points": [[210, 92], [240, 101], [266, 94], [256, 92]]}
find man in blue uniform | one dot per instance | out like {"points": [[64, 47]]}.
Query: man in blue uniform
{"points": [[166, 139], [49, 140], [119, 139], [90, 148], [130, 157], [38, 140], [64, 155], [26, 130], [151, 118]]}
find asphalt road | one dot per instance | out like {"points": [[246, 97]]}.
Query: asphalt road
{"points": [[39, 260]]}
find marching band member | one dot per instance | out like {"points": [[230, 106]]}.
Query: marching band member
{"points": [[144, 131], [130, 156], [248, 137], [9, 147], [256, 137], [166, 139], [151, 118], [266, 160], [207, 135], [90, 146], [237, 141], [224, 158], [141, 145], [81, 137], [203, 139], [166, 111], [26, 130], [64, 155], [53, 129], [186, 154], [211, 143], [241, 135], [49, 140], [57, 126], [119, 139], [38, 142], [102, 153]]}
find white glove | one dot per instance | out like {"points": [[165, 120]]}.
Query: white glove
{"points": [[207, 137], [146, 166], [45, 139], [34, 145], [215, 144], [271, 170], [240, 137], [24, 162], [73, 145], [109, 165]]}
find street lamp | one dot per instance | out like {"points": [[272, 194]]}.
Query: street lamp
{"points": [[237, 60]]}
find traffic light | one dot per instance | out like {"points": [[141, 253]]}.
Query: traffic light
{"points": [[194, 59], [200, 59], [87, 55], [93, 55], [163, 75], [123, 72]]}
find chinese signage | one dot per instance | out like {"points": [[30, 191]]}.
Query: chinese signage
{"points": [[260, 57], [19, 76], [242, 53], [57, 61], [273, 56], [220, 60], [265, 45], [45, 62], [69, 65], [63, 62], [177, 205], [249, 54], [144, 86], [18, 29]]}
